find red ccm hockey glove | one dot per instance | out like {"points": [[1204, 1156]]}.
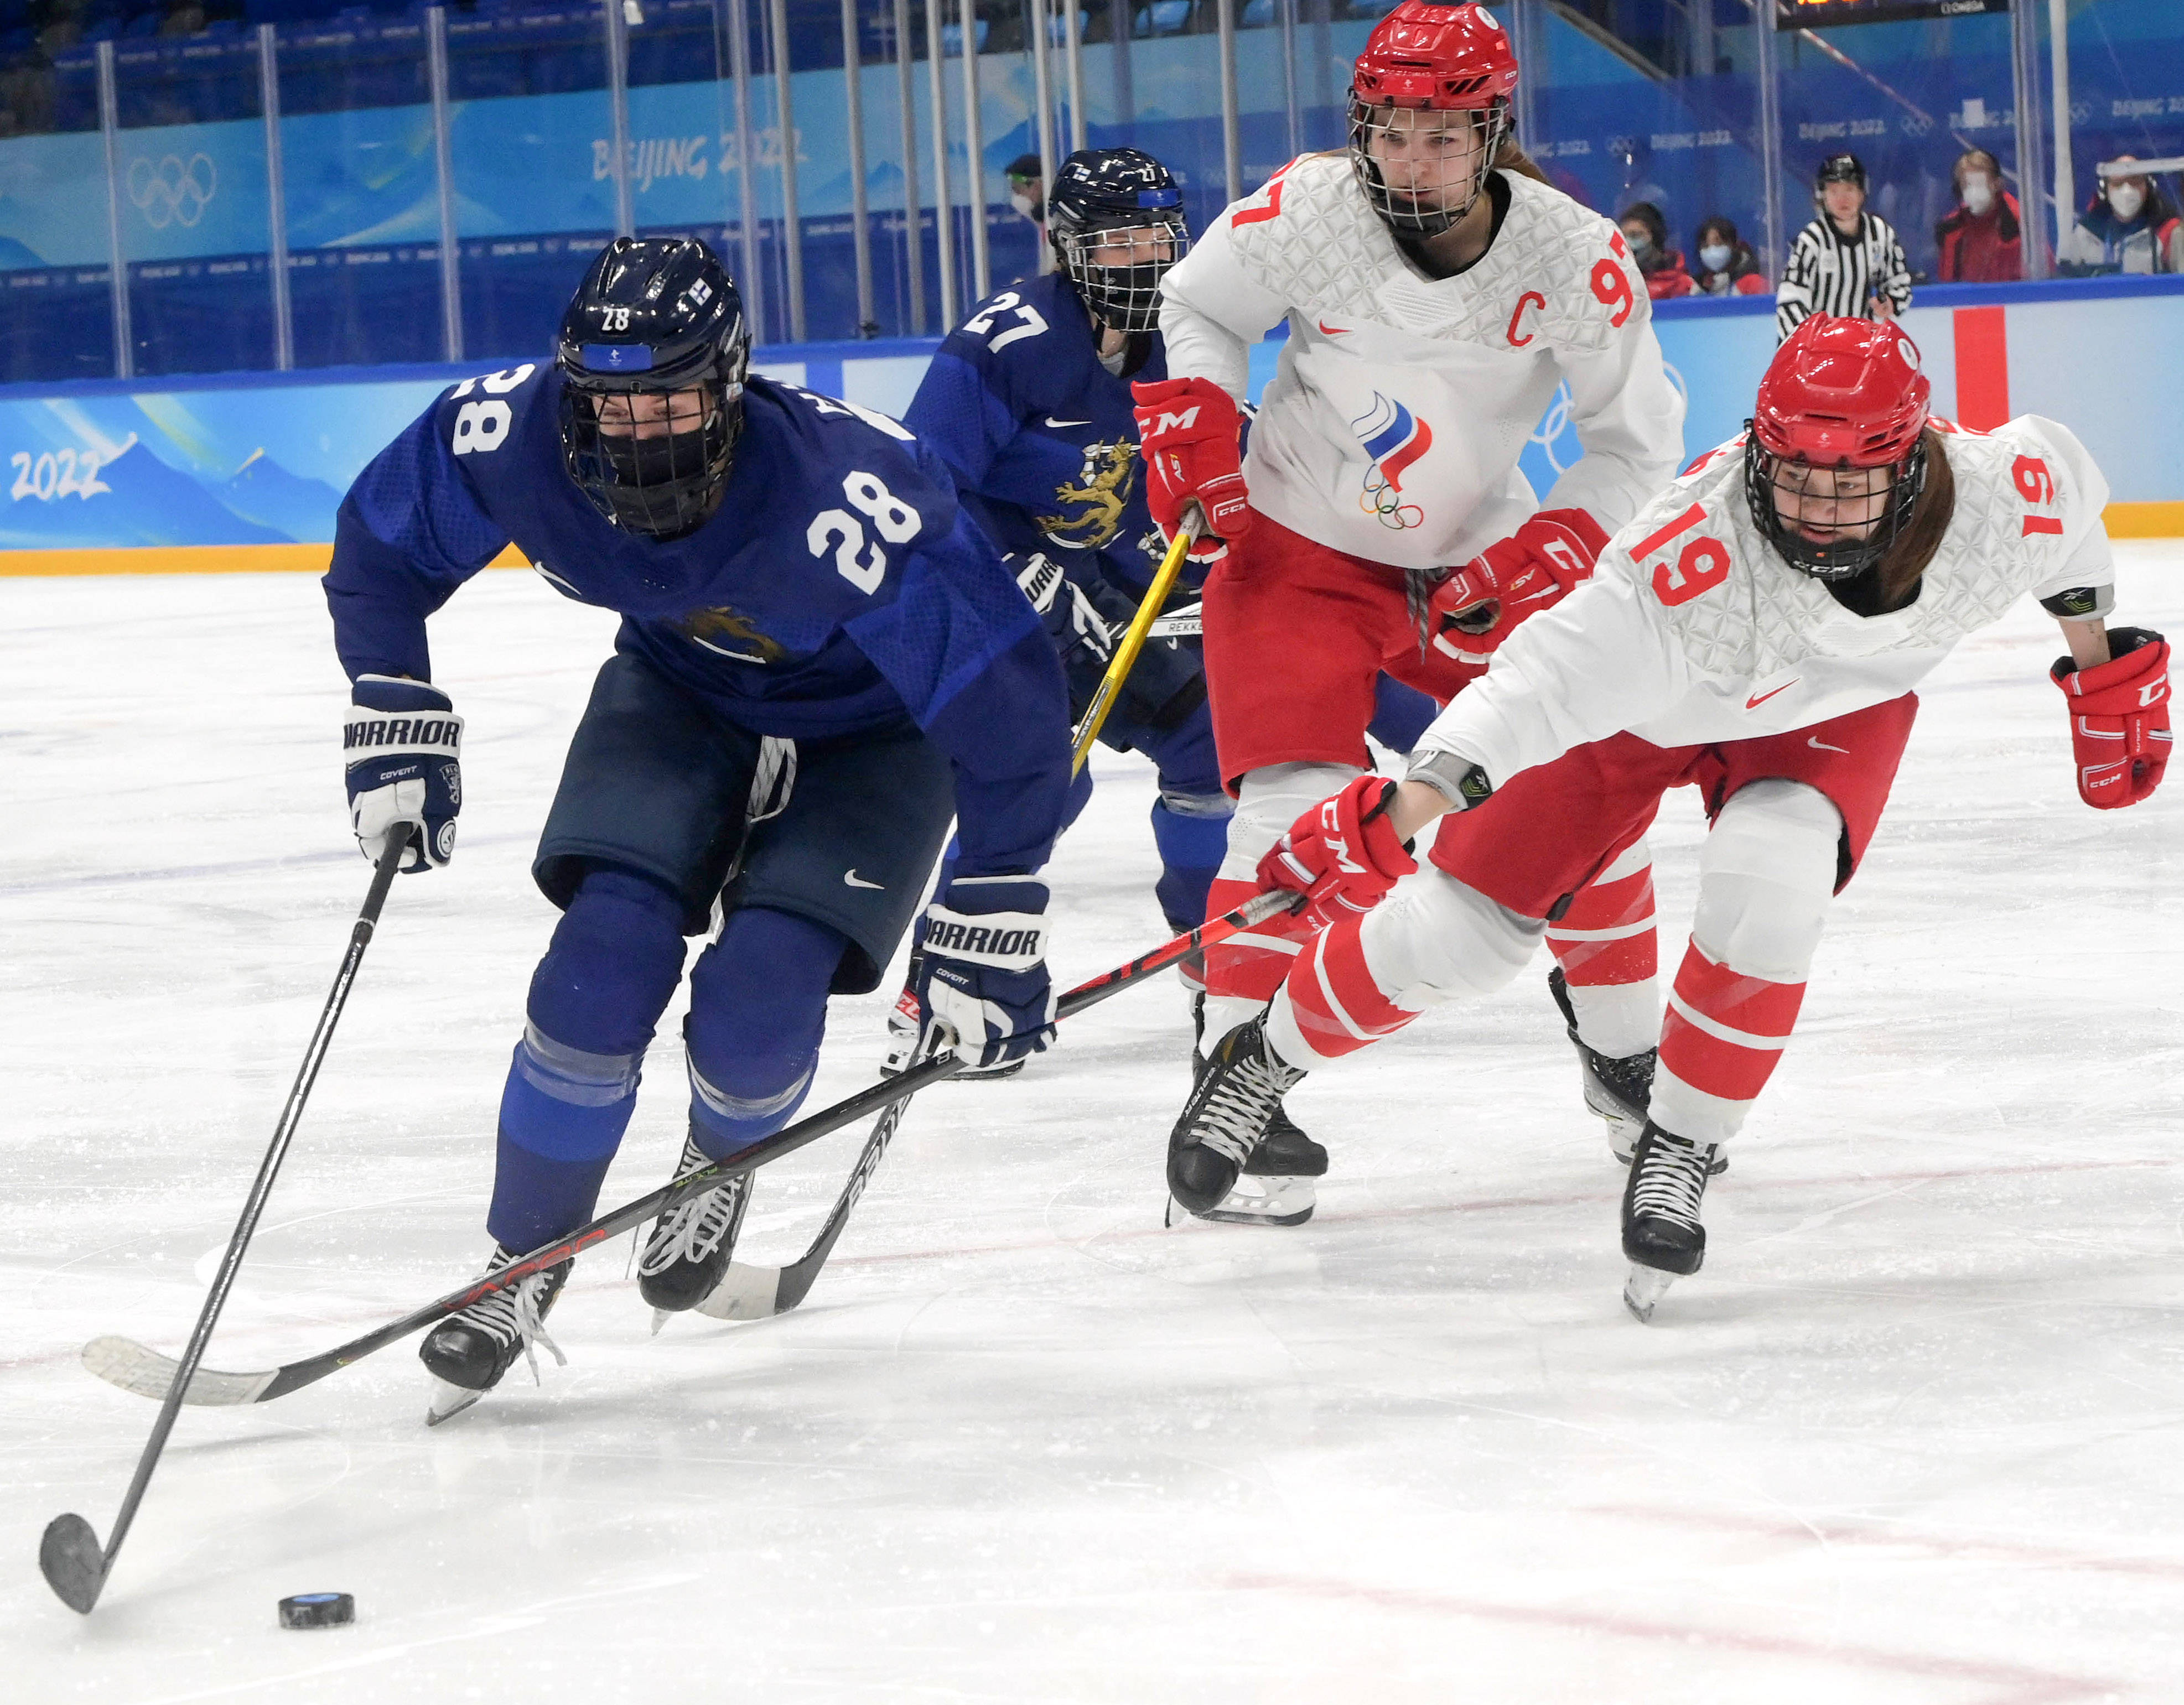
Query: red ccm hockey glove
{"points": [[1476, 608], [1343, 853], [1191, 437], [2119, 718]]}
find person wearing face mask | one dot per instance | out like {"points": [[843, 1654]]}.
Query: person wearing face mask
{"points": [[1981, 240], [1027, 178], [2128, 227], [1647, 234], [1727, 265]]}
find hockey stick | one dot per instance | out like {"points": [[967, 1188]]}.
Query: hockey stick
{"points": [[757, 1293], [750, 1292], [132, 1366], [75, 1564], [1134, 641]]}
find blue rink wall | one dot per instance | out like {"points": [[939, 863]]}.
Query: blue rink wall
{"points": [[244, 471]]}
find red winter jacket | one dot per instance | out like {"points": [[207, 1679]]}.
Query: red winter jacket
{"points": [[1667, 279], [1981, 249]]}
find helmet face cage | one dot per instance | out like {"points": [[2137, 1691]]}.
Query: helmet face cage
{"points": [[1421, 203], [1861, 525], [658, 484], [649, 426], [1117, 265]]}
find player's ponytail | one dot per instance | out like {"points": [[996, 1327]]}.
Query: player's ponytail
{"points": [[1898, 571], [1511, 158]]}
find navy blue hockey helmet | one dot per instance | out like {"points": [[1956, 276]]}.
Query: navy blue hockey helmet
{"points": [[653, 354], [1099, 195], [1842, 168]]}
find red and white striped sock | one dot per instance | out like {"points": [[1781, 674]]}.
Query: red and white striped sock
{"points": [[1332, 1004], [1610, 957], [1721, 1039]]}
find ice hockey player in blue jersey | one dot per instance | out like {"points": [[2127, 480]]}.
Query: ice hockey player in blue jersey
{"points": [[820, 660]]}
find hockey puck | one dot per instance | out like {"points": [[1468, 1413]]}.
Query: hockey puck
{"points": [[317, 1610]]}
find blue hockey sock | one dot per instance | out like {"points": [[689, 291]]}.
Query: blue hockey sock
{"points": [[616, 958], [758, 1009], [1191, 843]]}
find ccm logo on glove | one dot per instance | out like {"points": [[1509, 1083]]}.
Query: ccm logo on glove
{"points": [[2119, 718]]}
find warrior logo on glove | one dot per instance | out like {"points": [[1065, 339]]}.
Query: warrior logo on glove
{"points": [[401, 746]]}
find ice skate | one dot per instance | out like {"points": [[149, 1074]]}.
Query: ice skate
{"points": [[469, 1351], [1224, 1125], [690, 1244], [1276, 1185], [1616, 1090], [1662, 1235], [903, 1029]]}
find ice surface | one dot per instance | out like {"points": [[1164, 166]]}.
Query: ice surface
{"points": [[1913, 1436]]}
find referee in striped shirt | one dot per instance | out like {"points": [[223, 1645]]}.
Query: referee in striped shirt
{"points": [[1847, 262]]}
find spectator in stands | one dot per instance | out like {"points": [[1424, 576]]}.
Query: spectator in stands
{"points": [[1981, 240], [1727, 265], [1647, 234], [1847, 262], [1028, 196], [2128, 227]]}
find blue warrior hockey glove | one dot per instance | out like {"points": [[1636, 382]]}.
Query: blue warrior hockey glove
{"points": [[983, 973], [403, 746]]}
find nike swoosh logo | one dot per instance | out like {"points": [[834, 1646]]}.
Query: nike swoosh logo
{"points": [[851, 879], [1331, 331], [1753, 703], [1819, 745], [1051, 422]]}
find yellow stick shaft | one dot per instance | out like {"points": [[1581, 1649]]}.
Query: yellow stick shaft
{"points": [[1134, 641]]}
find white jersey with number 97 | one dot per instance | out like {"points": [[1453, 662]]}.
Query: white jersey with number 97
{"points": [[1393, 426]]}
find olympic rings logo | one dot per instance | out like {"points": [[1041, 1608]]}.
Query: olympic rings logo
{"points": [[1548, 434], [1384, 504], [171, 193]]}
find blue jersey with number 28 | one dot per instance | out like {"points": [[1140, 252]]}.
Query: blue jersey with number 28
{"points": [[839, 590]]}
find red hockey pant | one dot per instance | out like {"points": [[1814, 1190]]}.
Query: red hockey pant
{"points": [[1296, 634], [1793, 815]]}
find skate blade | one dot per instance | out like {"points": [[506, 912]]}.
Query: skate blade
{"points": [[1644, 1289], [1265, 1201], [448, 1401]]}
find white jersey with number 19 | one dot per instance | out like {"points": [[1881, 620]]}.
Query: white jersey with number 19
{"points": [[1694, 630], [1392, 429]]}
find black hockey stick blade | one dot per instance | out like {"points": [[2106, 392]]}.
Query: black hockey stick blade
{"points": [[73, 1562], [123, 1362]]}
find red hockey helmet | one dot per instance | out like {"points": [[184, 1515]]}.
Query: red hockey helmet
{"points": [[1421, 58], [1835, 451]]}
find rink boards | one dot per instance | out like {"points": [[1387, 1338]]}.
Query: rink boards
{"points": [[246, 471]]}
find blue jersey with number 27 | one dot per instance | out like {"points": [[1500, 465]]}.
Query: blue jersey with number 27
{"points": [[839, 590]]}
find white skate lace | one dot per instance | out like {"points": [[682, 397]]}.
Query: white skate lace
{"points": [[694, 1230], [513, 1314], [1672, 1178], [1234, 1117]]}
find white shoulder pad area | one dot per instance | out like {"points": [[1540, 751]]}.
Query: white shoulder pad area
{"points": [[1308, 236]]}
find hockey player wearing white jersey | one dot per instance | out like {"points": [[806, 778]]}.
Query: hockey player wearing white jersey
{"points": [[1436, 293], [1757, 631]]}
